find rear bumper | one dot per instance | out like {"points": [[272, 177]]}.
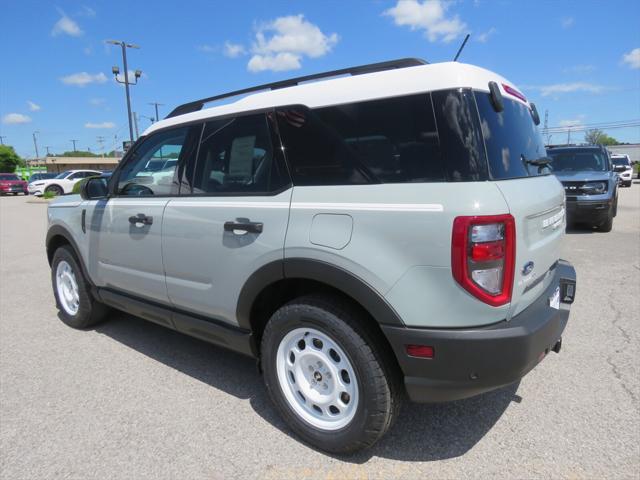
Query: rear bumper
{"points": [[594, 211], [472, 361]]}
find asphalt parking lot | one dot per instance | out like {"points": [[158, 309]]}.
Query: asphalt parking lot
{"points": [[133, 400]]}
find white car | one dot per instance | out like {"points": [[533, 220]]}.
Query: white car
{"points": [[62, 183], [623, 167]]}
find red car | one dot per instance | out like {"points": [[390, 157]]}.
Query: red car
{"points": [[10, 183]]}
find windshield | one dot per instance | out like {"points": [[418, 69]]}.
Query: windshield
{"points": [[512, 139], [620, 161], [9, 177], [63, 174], [578, 160]]}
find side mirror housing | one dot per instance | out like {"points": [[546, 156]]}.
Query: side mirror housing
{"points": [[94, 188]]}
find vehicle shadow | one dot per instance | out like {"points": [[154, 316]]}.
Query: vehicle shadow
{"points": [[421, 433], [579, 229]]}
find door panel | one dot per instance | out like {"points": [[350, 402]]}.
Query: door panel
{"points": [[128, 255], [206, 266]]}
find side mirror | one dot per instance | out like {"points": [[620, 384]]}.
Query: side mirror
{"points": [[94, 188]]}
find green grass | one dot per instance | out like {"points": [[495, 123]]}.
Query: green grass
{"points": [[48, 195]]}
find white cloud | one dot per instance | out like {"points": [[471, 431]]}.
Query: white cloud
{"points": [[34, 107], [282, 44], [579, 69], [207, 48], [66, 26], [97, 102], [571, 122], [100, 125], [559, 88], [484, 37], [632, 58], [87, 12], [568, 22], [83, 79], [430, 16], [15, 118], [233, 50]]}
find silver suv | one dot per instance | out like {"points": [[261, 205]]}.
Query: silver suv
{"points": [[391, 232]]}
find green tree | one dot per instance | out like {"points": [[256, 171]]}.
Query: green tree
{"points": [[598, 137], [9, 159], [77, 153]]}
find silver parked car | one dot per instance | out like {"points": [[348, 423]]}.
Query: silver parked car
{"points": [[391, 232]]}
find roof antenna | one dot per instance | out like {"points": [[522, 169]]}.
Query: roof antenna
{"points": [[461, 47]]}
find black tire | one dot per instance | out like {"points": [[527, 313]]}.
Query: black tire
{"points": [[55, 189], [380, 391], [90, 311], [607, 225]]}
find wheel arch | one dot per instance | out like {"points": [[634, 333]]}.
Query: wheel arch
{"points": [[279, 282], [58, 236]]}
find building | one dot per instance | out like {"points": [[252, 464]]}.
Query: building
{"points": [[60, 164], [631, 149]]}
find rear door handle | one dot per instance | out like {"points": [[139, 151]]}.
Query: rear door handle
{"points": [[141, 218], [249, 227]]}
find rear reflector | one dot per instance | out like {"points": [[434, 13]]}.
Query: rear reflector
{"points": [[420, 351]]}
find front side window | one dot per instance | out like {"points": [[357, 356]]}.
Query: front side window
{"points": [[512, 139], [237, 157], [162, 151], [579, 160], [380, 141]]}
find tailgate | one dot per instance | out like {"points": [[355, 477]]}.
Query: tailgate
{"points": [[537, 204]]}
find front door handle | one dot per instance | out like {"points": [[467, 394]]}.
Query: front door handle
{"points": [[141, 218], [249, 227]]}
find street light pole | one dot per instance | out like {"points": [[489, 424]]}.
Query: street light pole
{"points": [[124, 47], [74, 144], [155, 104], [35, 144]]}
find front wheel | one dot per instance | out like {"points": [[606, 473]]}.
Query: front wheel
{"points": [[327, 376], [78, 308], [55, 189], [607, 225]]}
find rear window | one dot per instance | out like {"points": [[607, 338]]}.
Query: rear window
{"points": [[578, 160], [620, 161], [380, 141], [511, 138]]}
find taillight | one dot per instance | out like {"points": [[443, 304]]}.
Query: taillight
{"points": [[483, 250]]}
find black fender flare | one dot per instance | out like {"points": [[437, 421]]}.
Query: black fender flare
{"points": [[60, 231], [309, 269]]}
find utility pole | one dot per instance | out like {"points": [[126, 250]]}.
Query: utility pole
{"points": [[569, 136], [101, 142], [35, 144], [155, 104], [116, 71], [546, 126], [2, 137], [74, 144], [48, 147], [135, 124]]}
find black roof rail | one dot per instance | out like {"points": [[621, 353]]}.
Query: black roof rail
{"points": [[359, 70]]}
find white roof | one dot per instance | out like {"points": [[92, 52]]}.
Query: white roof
{"points": [[369, 86]]}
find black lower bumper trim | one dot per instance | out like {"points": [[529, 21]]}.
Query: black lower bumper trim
{"points": [[468, 362], [588, 211]]}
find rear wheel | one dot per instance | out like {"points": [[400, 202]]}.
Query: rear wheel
{"points": [[78, 308], [326, 376], [55, 189]]}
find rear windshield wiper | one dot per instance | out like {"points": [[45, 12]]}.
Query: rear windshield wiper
{"points": [[538, 162]]}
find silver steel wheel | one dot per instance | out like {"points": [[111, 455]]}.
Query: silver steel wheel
{"points": [[317, 379], [67, 288]]}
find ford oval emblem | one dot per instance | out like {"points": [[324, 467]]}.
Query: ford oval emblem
{"points": [[528, 268]]}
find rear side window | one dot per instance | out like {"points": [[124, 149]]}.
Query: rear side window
{"points": [[511, 138], [380, 141], [237, 157]]}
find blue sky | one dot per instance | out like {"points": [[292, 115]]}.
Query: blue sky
{"points": [[580, 60]]}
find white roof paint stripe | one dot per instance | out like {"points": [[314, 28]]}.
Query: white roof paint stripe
{"points": [[336, 91]]}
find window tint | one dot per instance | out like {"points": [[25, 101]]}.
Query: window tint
{"points": [[578, 160], [381, 141], [236, 156], [511, 137], [162, 150], [459, 132]]}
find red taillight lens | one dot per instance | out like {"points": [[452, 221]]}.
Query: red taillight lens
{"points": [[512, 91], [421, 351], [483, 252]]}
